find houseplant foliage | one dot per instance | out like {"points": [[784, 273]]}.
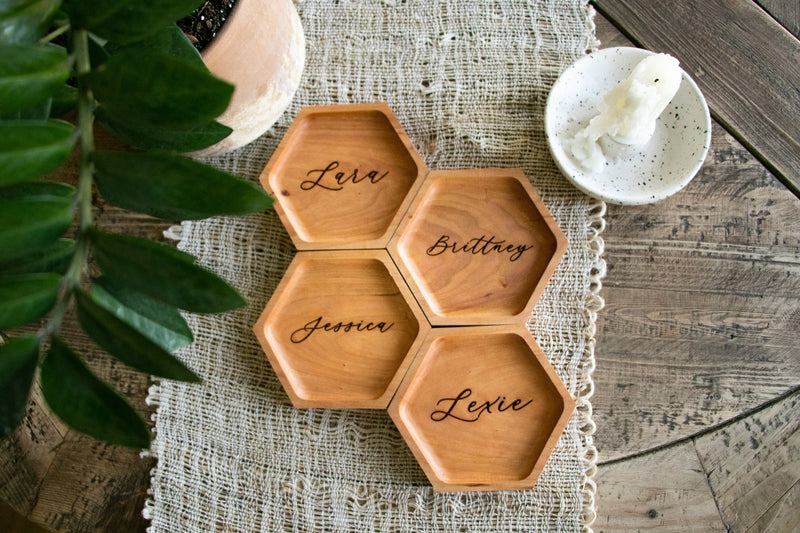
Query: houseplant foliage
{"points": [[125, 64]]}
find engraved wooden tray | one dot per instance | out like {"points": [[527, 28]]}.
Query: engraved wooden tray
{"points": [[342, 176], [339, 329], [390, 252], [481, 408], [477, 246]]}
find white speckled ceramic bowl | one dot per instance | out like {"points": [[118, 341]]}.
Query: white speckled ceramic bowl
{"points": [[638, 174]]}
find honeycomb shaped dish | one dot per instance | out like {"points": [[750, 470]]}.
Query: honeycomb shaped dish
{"points": [[349, 325], [339, 329], [477, 247], [342, 176], [481, 408]]}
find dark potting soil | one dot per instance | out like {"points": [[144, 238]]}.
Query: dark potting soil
{"points": [[206, 21]]}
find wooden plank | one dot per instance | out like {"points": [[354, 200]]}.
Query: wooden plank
{"points": [[93, 486], [14, 522], [26, 455], [608, 34], [783, 515], [664, 491], [753, 467], [692, 398], [702, 305], [786, 13], [744, 62]]}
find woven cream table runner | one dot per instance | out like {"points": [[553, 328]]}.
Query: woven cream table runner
{"points": [[468, 80]]}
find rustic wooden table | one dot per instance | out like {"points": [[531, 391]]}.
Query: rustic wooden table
{"points": [[696, 397]]}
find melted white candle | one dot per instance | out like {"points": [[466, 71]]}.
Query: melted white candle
{"points": [[629, 111]]}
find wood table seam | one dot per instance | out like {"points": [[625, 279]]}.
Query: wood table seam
{"points": [[710, 486], [706, 431], [768, 509]]}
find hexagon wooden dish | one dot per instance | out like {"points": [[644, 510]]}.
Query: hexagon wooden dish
{"points": [[342, 176], [341, 329], [481, 408], [477, 246]]}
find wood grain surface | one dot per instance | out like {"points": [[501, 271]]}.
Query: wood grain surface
{"points": [[666, 492], [696, 341], [787, 13], [753, 468], [702, 305], [697, 367]]}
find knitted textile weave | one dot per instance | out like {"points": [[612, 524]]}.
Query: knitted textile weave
{"points": [[468, 80]]}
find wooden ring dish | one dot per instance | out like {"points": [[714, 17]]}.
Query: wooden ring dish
{"points": [[481, 408], [342, 176], [477, 247], [389, 248], [341, 328]]}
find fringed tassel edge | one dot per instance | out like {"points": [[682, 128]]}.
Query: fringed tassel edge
{"points": [[153, 399], [594, 303]]}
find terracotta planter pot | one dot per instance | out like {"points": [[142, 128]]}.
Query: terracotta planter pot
{"points": [[261, 50]]}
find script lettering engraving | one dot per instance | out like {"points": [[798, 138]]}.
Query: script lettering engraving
{"points": [[478, 246], [456, 408], [303, 333], [326, 178]]}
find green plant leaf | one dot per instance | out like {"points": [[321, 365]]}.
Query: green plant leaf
{"points": [[29, 75], [163, 273], [18, 359], [159, 322], [29, 224], [174, 187], [126, 21], [37, 190], [64, 100], [38, 112], [156, 89], [162, 138], [126, 343], [52, 258], [25, 21], [87, 404], [29, 150], [98, 54], [169, 39], [25, 297]]}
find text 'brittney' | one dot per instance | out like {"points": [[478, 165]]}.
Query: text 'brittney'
{"points": [[325, 178], [478, 246], [473, 410], [301, 334]]}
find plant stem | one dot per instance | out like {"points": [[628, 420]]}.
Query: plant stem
{"points": [[83, 200], [85, 126], [53, 34]]}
